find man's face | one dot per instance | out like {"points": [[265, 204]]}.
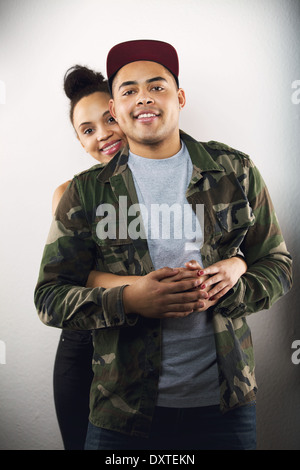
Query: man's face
{"points": [[146, 104]]}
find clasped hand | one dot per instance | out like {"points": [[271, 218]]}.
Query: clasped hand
{"points": [[168, 293]]}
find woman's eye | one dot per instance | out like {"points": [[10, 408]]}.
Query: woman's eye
{"points": [[111, 120], [88, 131]]}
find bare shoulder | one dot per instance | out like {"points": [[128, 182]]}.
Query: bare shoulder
{"points": [[59, 191]]}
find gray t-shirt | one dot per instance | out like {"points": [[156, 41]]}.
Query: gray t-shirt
{"points": [[189, 375]]}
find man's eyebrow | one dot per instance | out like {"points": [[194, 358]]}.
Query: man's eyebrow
{"points": [[127, 84], [150, 80], [156, 79]]}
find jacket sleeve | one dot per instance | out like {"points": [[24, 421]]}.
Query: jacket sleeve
{"points": [[60, 296], [269, 274]]}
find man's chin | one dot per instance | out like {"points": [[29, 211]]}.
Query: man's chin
{"points": [[149, 139]]}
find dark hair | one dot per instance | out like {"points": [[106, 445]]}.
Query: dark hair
{"points": [[80, 81]]}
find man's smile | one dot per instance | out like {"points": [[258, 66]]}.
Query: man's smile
{"points": [[146, 116]]}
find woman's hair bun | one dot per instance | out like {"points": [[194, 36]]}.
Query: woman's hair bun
{"points": [[80, 81], [79, 78]]}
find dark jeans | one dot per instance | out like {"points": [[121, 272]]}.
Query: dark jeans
{"points": [[72, 382], [185, 429]]}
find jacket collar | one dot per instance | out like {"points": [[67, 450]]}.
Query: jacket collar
{"points": [[201, 159]]}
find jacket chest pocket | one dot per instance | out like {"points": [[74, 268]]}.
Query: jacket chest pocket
{"points": [[231, 224], [116, 254], [233, 216]]}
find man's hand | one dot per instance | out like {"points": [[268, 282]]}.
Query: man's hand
{"points": [[154, 299]]}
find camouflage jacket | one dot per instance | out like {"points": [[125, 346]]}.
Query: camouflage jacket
{"points": [[239, 218]]}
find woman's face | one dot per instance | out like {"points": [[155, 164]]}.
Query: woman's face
{"points": [[96, 129]]}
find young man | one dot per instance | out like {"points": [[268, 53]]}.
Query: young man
{"points": [[172, 370]]}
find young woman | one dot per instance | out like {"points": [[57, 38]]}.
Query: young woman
{"points": [[101, 137]]}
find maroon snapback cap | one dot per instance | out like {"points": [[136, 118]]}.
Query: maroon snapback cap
{"points": [[141, 49]]}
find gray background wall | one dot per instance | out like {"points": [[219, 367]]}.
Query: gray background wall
{"points": [[239, 61]]}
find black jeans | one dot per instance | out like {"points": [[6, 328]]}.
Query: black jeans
{"points": [[72, 382]]}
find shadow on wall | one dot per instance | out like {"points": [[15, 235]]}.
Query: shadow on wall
{"points": [[278, 376]]}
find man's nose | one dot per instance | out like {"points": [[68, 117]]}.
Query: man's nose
{"points": [[144, 99]]}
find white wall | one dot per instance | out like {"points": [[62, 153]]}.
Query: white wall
{"points": [[238, 62]]}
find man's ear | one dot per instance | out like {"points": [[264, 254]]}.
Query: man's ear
{"points": [[112, 109], [181, 98]]}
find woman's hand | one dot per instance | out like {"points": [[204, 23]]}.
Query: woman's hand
{"points": [[223, 275], [191, 270]]}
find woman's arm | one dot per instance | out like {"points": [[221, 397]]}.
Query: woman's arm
{"points": [[58, 194], [107, 280], [224, 274], [96, 278]]}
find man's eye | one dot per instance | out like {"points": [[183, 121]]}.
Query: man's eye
{"points": [[157, 88], [128, 92], [111, 120]]}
